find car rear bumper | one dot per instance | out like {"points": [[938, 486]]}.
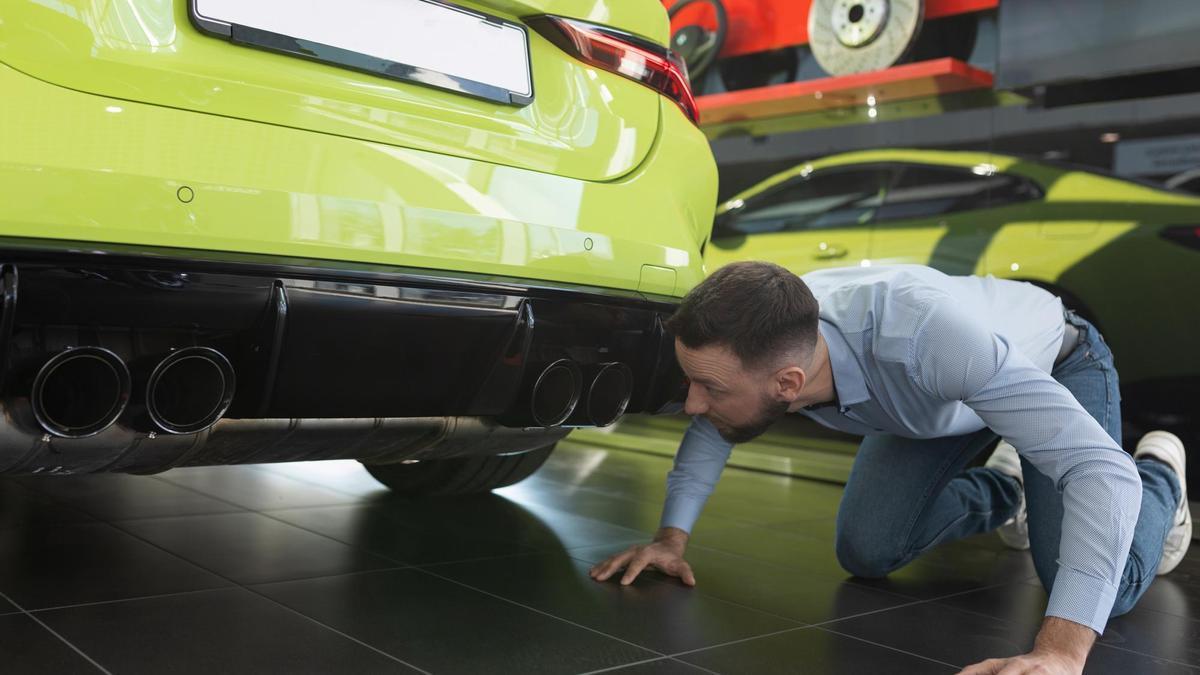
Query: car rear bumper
{"points": [[81, 167], [330, 360]]}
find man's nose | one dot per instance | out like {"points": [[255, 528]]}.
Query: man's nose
{"points": [[695, 403]]}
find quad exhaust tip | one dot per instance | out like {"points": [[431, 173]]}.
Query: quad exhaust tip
{"points": [[556, 393], [609, 393], [190, 390], [80, 392]]}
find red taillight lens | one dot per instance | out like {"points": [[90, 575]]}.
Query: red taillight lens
{"points": [[627, 55], [1186, 235]]}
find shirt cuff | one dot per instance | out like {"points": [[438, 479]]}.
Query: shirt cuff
{"points": [[1081, 598], [682, 512]]}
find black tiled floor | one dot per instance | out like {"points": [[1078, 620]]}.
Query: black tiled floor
{"points": [[772, 589], [663, 666], [121, 496], [441, 626], [313, 567], [73, 564], [376, 528], [250, 548], [24, 508], [667, 618], [27, 647], [812, 650], [253, 489], [225, 631]]}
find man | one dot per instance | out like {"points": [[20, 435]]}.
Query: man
{"points": [[930, 369]]}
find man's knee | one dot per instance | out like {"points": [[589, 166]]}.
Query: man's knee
{"points": [[865, 555]]}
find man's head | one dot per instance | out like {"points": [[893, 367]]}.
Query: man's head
{"points": [[745, 338]]}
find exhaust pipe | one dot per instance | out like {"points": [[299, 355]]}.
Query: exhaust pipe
{"points": [[609, 394], [189, 390], [556, 393], [80, 392]]}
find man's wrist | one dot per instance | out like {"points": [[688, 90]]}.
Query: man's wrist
{"points": [[672, 536], [1066, 639]]}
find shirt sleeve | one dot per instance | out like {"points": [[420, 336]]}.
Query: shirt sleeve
{"points": [[955, 358], [698, 464]]}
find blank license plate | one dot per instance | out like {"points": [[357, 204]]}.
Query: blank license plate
{"points": [[432, 43]]}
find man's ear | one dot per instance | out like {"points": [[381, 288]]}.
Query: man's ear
{"points": [[789, 382]]}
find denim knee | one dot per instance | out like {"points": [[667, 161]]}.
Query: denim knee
{"points": [[866, 556]]}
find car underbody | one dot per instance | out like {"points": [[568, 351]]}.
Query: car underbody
{"points": [[126, 359]]}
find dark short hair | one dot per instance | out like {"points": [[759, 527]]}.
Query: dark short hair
{"points": [[758, 310]]}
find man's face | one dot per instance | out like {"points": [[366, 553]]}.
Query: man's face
{"points": [[738, 402]]}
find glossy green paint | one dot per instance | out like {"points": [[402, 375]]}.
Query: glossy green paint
{"points": [[77, 166], [583, 123], [1092, 236]]}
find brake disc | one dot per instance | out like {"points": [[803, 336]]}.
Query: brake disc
{"points": [[859, 36]]}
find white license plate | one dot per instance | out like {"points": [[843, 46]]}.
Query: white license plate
{"points": [[432, 43]]}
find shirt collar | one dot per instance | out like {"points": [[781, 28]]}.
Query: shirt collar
{"points": [[848, 376]]}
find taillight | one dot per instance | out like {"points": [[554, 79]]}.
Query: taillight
{"points": [[627, 55], [1187, 235]]}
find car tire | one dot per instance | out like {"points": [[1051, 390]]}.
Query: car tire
{"points": [[459, 475]]}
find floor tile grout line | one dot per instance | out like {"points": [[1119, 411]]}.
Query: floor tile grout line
{"points": [[285, 607], [542, 612], [118, 601], [1185, 664], [56, 634], [738, 641], [639, 663], [894, 649], [624, 665], [915, 602]]}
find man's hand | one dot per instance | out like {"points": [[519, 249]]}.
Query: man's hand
{"points": [[1062, 647], [664, 554]]}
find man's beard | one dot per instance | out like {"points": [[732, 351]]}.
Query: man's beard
{"points": [[772, 411]]}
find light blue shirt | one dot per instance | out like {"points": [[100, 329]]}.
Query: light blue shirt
{"points": [[919, 354]]}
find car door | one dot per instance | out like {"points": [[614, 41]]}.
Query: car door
{"points": [[944, 216], [813, 221]]}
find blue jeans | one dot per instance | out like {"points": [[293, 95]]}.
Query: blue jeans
{"points": [[906, 496]]}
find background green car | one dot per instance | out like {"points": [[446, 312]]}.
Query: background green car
{"points": [[225, 240], [1123, 254]]}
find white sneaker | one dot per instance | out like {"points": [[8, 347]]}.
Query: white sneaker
{"points": [[1015, 531], [1168, 449]]}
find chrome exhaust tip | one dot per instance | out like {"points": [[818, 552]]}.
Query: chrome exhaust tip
{"points": [[190, 390], [609, 393], [80, 392], [556, 393]]}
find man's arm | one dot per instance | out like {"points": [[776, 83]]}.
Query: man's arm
{"points": [[698, 464], [957, 359]]}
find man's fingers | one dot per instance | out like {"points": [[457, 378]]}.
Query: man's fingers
{"points": [[635, 568], [681, 569], [606, 569], [989, 667]]}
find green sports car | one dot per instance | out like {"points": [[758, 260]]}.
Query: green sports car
{"points": [[429, 236], [1123, 254]]}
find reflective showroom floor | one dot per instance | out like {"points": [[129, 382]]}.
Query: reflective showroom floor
{"points": [[315, 568]]}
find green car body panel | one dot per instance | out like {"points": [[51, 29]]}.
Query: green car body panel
{"points": [[1094, 239], [113, 109]]}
